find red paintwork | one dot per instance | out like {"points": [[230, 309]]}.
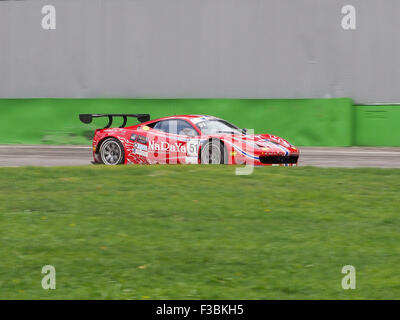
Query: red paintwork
{"points": [[170, 148]]}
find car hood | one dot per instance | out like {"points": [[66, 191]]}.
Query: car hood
{"points": [[261, 143]]}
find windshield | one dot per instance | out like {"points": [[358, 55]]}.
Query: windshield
{"points": [[218, 126]]}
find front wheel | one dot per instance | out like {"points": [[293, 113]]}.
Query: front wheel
{"points": [[212, 152], [112, 152]]}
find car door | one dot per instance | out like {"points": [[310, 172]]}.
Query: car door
{"points": [[189, 137], [179, 132], [158, 142], [170, 142]]}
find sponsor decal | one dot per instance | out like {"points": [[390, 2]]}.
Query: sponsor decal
{"points": [[145, 128], [166, 146], [140, 152], [141, 139], [193, 147], [140, 146], [191, 160]]}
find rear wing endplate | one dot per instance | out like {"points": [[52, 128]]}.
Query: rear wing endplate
{"points": [[88, 117]]}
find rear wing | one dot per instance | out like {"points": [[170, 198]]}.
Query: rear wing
{"points": [[88, 117]]}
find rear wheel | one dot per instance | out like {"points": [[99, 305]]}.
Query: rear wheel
{"points": [[212, 152], [112, 152]]}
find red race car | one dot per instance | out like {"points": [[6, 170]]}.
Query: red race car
{"points": [[186, 139]]}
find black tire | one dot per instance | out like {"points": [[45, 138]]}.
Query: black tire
{"points": [[213, 152], [112, 152]]}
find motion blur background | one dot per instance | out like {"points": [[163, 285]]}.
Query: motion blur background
{"points": [[153, 49]]}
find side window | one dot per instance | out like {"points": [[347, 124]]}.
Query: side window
{"points": [[180, 127], [159, 125], [162, 126], [185, 128]]}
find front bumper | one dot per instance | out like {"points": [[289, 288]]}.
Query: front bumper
{"points": [[279, 159]]}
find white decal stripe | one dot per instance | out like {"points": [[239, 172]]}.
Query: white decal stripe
{"points": [[246, 154]]}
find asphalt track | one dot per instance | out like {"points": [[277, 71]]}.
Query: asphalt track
{"points": [[350, 157]]}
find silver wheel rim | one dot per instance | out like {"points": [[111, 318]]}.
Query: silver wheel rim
{"points": [[211, 154], [111, 152]]}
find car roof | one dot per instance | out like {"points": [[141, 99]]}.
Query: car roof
{"points": [[190, 117], [187, 116]]}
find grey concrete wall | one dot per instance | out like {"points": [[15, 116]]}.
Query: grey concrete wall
{"points": [[201, 48]]}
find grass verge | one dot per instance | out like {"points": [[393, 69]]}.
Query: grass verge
{"points": [[199, 232]]}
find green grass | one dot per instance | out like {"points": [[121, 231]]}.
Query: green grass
{"points": [[195, 232]]}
